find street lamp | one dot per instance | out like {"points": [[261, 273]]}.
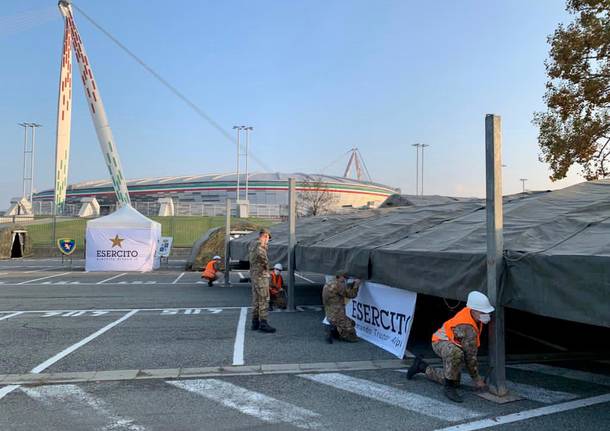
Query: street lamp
{"points": [[238, 129], [422, 167], [248, 129], [416, 168], [29, 176], [523, 180]]}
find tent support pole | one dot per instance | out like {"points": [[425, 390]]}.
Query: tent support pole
{"points": [[292, 240], [495, 247], [227, 239]]}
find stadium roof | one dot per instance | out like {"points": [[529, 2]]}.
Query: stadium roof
{"points": [[225, 177]]}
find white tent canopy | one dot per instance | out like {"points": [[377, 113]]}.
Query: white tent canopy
{"points": [[122, 241]]}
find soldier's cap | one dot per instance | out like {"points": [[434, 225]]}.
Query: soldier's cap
{"points": [[265, 231], [341, 273]]}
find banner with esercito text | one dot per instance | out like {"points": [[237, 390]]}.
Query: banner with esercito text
{"points": [[383, 316]]}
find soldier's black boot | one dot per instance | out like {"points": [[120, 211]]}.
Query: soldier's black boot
{"points": [[328, 331], [255, 324], [451, 392], [418, 366], [265, 327]]}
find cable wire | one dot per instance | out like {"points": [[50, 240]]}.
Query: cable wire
{"points": [[168, 85]]}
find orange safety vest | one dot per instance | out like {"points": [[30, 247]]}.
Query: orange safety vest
{"points": [[463, 317], [210, 270], [276, 283]]}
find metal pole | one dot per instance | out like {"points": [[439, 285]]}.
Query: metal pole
{"points": [[416, 169], [292, 239], [495, 246], [227, 240], [25, 150], [422, 167], [34, 126], [248, 130], [238, 129], [523, 180]]}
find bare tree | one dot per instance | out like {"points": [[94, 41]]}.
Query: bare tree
{"points": [[315, 198]]}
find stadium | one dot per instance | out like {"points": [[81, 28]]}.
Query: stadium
{"points": [[206, 194]]}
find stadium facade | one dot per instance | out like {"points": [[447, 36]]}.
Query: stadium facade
{"points": [[194, 191]]}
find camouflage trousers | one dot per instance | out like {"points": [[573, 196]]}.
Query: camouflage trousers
{"points": [[345, 327], [453, 362], [260, 297]]}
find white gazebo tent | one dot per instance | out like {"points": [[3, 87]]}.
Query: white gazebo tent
{"points": [[122, 241]]}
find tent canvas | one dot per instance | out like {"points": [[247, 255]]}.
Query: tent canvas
{"points": [[556, 248], [122, 241]]}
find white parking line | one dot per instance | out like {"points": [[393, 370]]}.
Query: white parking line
{"points": [[395, 397], [240, 335], [43, 278], [178, 278], [80, 403], [251, 403], [583, 376], [46, 364], [111, 278], [40, 269], [11, 315], [241, 276], [529, 414], [304, 278]]}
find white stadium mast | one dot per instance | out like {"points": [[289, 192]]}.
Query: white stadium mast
{"points": [[72, 41], [356, 163]]}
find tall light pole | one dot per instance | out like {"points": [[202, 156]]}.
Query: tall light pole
{"points": [[422, 167], [238, 129], [34, 126], [416, 169], [28, 174], [248, 129], [25, 154], [523, 180]]}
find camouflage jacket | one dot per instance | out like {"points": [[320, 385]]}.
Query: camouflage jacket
{"points": [[334, 294], [259, 264], [467, 337]]}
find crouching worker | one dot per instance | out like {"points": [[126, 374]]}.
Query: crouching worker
{"points": [[212, 272], [334, 295], [277, 294], [457, 343]]}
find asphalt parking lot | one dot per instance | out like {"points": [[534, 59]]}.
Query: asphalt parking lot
{"points": [[163, 351]]}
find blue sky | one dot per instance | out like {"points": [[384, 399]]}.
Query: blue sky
{"points": [[313, 77]]}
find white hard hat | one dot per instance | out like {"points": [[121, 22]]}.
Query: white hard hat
{"points": [[216, 258], [479, 302], [278, 266]]}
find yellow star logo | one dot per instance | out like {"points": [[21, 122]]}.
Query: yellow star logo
{"points": [[116, 241]]}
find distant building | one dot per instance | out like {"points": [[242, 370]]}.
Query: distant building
{"points": [[196, 191]]}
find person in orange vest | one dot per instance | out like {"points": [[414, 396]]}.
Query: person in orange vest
{"points": [[211, 271], [277, 294], [457, 342]]}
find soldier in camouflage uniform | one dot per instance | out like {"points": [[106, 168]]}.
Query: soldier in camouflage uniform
{"points": [[259, 274], [334, 295], [457, 343]]}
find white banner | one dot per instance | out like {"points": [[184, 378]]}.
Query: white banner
{"points": [[120, 249], [383, 316]]}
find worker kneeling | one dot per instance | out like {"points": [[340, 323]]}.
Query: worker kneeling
{"points": [[457, 343], [212, 271], [334, 295], [277, 294]]}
